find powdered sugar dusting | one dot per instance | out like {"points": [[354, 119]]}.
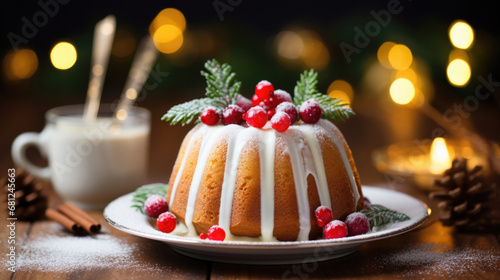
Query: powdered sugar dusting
{"points": [[434, 260], [68, 253]]}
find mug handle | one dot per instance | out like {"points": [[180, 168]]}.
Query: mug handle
{"points": [[21, 143]]}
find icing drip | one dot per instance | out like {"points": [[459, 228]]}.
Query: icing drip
{"points": [[300, 180], [320, 176], [210, 137], [193, 138], [340, 146], [267, 142], [235, 146]]}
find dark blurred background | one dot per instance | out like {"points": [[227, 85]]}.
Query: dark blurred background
{"points": [[272, 40]]}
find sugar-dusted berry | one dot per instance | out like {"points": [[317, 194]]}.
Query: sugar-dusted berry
{"points": [[357, 223], [280, 96], [233, 114], [166, 222], [209, 116], [216, 233], [288, 108], [203, 236], [264, 90], [256, 117], [310, 111], [280, 121], [323, 215], [335, 229], [155, 205], [243, 102]]}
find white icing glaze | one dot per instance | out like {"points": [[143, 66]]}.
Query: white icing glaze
{"points": [[235, 146], [300, 179], [306, 159], [333, 133], [211, 135], [320, 175], [267, 141], [193, 138]]}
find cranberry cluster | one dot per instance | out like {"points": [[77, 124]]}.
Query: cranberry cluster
{"points": [[156, 206], [267, 104], [355, 224]]}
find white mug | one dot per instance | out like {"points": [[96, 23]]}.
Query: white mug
{"points": [[89, 163]]}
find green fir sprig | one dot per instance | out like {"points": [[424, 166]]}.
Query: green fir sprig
{"points": [[222, 90], [333, 109], [380, 215], [142, 194]]}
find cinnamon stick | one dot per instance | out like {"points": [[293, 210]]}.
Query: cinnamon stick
{"points": [[87, 225], [61, 219], [83, 214]]}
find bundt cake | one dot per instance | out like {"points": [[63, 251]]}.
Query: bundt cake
{"points": [[258, 168], [262, 183]]}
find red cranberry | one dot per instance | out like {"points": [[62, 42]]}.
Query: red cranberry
{"points": [[281, 121], [216, 233], [324, 215], [244, 102], [256, 117], [256, 100], [357, 223], [310, 111], [155, 205], [264, 90], [209, 116], [166, 222], [233, 114], [288, 108], [203, 236], [335, 229], [270, 113], [280, 96]]}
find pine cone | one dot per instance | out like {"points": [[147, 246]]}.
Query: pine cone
{"points": [[465, 198], [30, 201]]}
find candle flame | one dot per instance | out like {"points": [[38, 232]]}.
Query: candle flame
{"points": [[440, 156]]}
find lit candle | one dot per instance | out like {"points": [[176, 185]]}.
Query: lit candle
{"points": [[440, 156]]}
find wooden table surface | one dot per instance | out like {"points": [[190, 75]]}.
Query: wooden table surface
{"points": [[44, 250]]}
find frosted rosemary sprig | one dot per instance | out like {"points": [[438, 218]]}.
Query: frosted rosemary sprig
{"points": [[222, 90], [380, 215], [332, 108]]}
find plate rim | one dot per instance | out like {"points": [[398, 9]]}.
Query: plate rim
{"points": [[353, 240]]}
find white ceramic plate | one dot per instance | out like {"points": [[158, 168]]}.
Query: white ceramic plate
{"points": [[120, 215]]}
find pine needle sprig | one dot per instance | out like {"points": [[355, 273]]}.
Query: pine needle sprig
{"points": [[380, 215], [333, 109], [142, 194], [222, 90], [221, 84], [186, 112]]}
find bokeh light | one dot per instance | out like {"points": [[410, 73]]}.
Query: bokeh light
{"points": [[302, 48], [20, 65], [400, 57], [458, 72], [168, 38], [341, 89], [461, 34], [168, 16], [63, 55], [402, 91], [383, 54], [289, 44]]}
